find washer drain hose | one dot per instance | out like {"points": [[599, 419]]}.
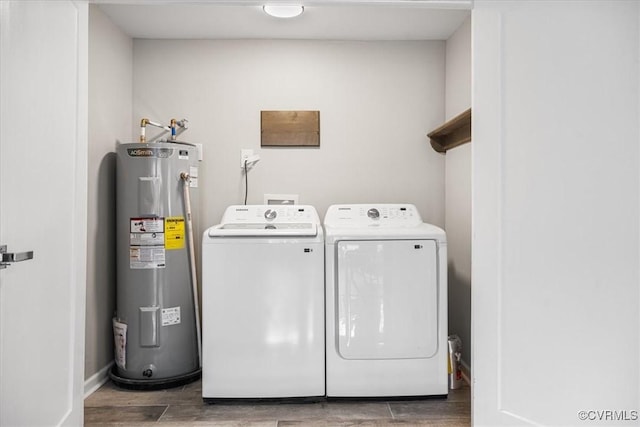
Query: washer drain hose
{"points": [[186, 180]]}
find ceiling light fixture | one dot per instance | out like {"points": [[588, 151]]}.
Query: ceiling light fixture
{"points": [[283, 10]]}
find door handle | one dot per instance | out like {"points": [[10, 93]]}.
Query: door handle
{"points": [[6, 258]]}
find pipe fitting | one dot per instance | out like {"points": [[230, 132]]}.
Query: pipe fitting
{"points": [[143, 127], [173, 129]]}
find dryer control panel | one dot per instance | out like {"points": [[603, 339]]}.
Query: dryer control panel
{"points": [[376, 215]]}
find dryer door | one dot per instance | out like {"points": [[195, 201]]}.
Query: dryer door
{"points": [[387, 299]]}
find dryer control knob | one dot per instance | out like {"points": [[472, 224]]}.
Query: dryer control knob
{"points": [[270, 214], [373, 213]]}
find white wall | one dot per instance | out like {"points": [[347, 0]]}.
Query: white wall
{"points": [[377, 101], [458, 71], [110, 88], [458, 189], [556, 244]]}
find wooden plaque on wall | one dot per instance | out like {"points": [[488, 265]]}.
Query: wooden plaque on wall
{"points": [[290, 128]]}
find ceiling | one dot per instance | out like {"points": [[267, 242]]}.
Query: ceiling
{"points": [[325, 20]]}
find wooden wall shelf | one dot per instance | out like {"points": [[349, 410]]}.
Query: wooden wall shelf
{"points": [[456, 131]]}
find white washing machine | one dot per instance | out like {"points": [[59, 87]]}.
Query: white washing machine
{"points": [[263, 304], [386, 302]]}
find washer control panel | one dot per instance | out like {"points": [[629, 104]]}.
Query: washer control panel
{"points": [[270, 214], [392, 215], [261, 214]]}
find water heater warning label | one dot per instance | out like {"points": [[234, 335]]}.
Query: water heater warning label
{"points": [[146, 257], [174, 232], [147, 225], [170, 316], [146, 243]]}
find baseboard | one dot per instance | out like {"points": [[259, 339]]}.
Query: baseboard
{"points": [[466, 371], [96, 380]]}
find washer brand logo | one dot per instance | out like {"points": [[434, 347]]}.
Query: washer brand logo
{"points": [[162, 153]]}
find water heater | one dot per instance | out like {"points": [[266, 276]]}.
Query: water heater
{"points": [[156, 327]]}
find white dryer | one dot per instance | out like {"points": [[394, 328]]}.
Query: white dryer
{"points": [[263, 304], [386, 302]]}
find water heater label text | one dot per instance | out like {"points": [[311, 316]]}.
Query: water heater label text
{"points": [[162, 153]]}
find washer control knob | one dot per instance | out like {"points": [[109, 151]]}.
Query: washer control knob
{"points": [[373, 213], [270, 214]]}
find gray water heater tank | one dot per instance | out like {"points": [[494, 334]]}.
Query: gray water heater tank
{"points": [[155, 334]]}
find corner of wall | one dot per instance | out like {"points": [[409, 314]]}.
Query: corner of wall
{"points": [[458, 188], [110, 89]]}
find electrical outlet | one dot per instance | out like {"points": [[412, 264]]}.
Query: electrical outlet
{"points": [[248, 158], [245, 155]]}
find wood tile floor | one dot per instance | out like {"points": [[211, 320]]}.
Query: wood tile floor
{"points": [[183, 406]]}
